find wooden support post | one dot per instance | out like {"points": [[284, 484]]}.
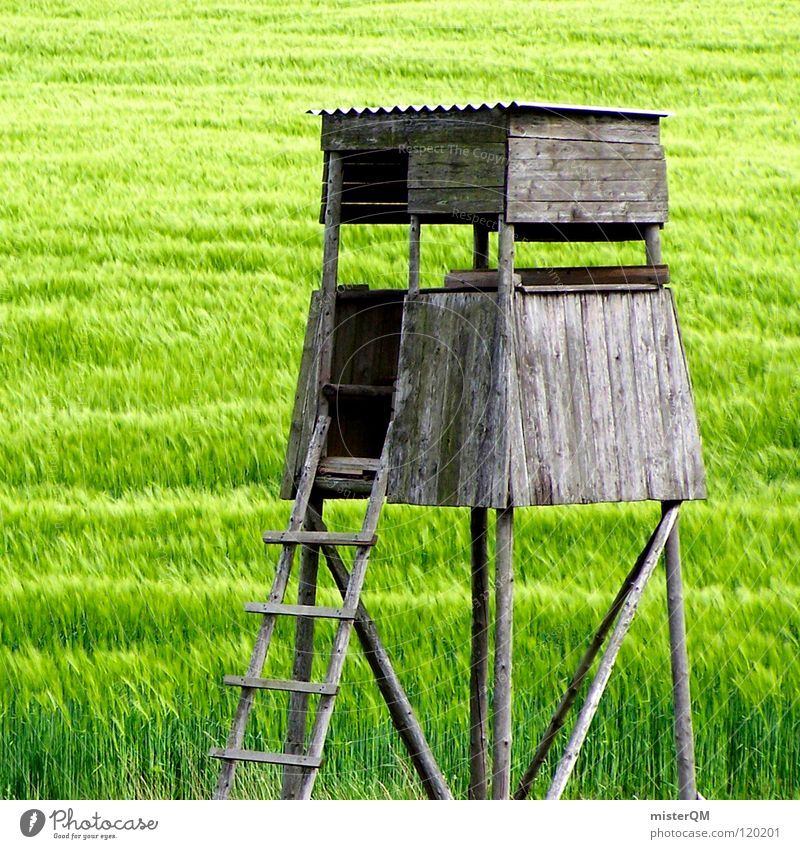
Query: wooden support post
{"points": [[652, 244], [297, 721], [504, 596], [600, 681], [571, 693], [479, 663], [400, 710], [330, 271], [413, 255], [684, 738]]}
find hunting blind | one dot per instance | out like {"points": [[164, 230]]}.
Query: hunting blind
{"points": [[503, 387]]}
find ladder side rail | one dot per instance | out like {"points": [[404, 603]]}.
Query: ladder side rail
{"points": [[277, 592]]}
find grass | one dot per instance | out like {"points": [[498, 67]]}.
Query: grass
{"points": [[158, 244]]}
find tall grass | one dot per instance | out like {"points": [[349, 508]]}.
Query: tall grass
{"points": [[158, 243]]}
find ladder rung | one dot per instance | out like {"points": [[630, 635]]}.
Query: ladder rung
{"points": [[266, 757], [311, 611], [317, 538], [320, 689]]}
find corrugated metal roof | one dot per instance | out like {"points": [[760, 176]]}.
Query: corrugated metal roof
{"points": [[480, 107]]}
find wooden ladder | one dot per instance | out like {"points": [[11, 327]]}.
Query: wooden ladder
{"points": [[306, 765]]}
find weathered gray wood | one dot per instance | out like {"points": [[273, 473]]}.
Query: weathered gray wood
{"points": [[551, 152], [308, 610], [602, 401], [605, 128], [576, 381], [684, 737], [605, 482], [413, 255], [456, 201], [592, 276], [504, 600], [297, 717], [472, 278], [632, 483], [600, 681], [231, 755], [310, 538], [464, 164], [373, 132], [683, 403], [341, 640], [330, 274], [348, 466], [578, 211], [571, 231], [305, 401], [498, 472], [660, 465], [479, 662], [356, 390], [289, 686], [276, 595], [585, 664], [400, 709]]}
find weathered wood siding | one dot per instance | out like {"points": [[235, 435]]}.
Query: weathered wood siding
{"points": [[606, 402], [447, 446], [599, 169], [598, 405]]}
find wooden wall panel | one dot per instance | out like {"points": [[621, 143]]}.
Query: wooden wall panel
{"points": [[444, 449], [606, 405], [586, 181]]}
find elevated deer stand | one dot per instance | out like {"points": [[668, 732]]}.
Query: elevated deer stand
{"points": [[505, 388]]}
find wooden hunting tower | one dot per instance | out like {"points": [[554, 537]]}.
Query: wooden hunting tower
{"points": [[502, 387]]}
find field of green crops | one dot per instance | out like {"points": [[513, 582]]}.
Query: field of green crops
{"points": [[159, 189]]}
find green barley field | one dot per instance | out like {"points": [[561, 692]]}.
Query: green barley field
{"points": [[159, 191]]}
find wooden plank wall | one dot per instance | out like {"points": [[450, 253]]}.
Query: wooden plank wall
{"points": [[304, 411], [444, 450], [600, 405], [365, 351], [598, 169]]}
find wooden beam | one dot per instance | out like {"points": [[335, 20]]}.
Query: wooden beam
{"points": [[600, 681], [297, 721], [330, 271], [413, 255], [504, 599], [400, 709], [571, 693], [479, 663], [684, 738], [652, 244]]}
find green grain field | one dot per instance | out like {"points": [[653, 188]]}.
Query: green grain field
{"points": [[159, 194]]}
